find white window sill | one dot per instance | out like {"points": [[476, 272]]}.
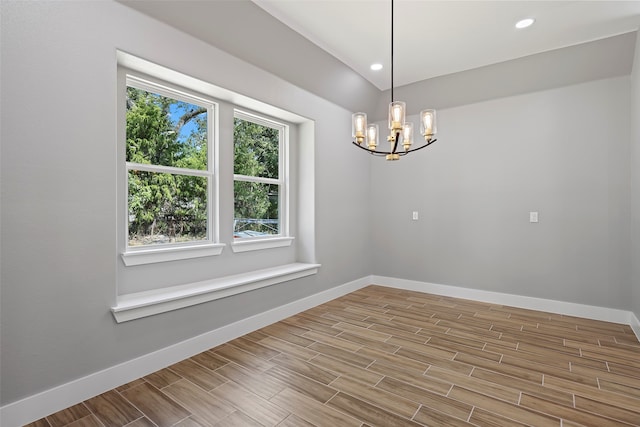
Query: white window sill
{"points": [[174, 253], [245, 245], [143, 304]]}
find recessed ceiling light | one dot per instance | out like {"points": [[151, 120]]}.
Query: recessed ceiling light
{"points": [[376, 67], [524, 23]]}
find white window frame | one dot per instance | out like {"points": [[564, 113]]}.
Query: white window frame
{"points": [[207, 284], [283, 238], [211, 246]]}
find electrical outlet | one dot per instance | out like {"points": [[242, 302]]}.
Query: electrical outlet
{"points": [[415, 215], [533, 216]]}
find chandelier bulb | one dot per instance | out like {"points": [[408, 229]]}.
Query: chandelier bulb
{"points": [[428, 126], [407, 135], [396, 115], [372, 136], [358, 126]]}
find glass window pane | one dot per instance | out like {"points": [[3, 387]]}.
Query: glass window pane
{"points": [[256, 149], [256, 209], [166, 208], [164, 131]]}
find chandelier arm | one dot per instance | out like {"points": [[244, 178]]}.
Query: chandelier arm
{"points": [[374, 152], [384, 153], [395, 143], [421, 147]]}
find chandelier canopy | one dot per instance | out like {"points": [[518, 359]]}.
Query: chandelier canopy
{"points": [[400, 131]]}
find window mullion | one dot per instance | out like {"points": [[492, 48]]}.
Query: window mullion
{"points": [[259, 179], [166, 169]]}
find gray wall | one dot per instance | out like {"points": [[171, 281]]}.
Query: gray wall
{"points": [[635, 183], [562, 152], [59, 256]]}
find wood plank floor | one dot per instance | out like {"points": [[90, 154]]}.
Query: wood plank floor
{"points": [[388, 357]]}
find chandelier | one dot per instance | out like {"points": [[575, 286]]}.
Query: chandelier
{"points": [[400, 131]]}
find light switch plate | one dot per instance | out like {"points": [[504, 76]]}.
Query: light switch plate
{"points": [[533, 216]]}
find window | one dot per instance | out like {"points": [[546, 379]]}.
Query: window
{"points": [[173, 196], [260, 192], [169, 183]]}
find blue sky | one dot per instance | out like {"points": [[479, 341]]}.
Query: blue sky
{"points": [[176, 111]]}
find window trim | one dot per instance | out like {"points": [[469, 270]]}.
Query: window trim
{"points": [[248, 244], [159, 298], [211, 246], [173, 253], [156, 301], [283, 238]]}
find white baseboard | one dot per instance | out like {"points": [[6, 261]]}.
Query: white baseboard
{"points": [[42, 404], [532, 303], [635, 324]]}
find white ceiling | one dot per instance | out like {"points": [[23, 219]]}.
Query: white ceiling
{"points": [[435, 38]]}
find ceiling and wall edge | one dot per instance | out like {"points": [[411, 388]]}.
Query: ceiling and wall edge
{"points": [[290, 56], [279, 50], [600, 59]]}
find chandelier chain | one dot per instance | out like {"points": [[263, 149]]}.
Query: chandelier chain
{"points": [[391, 50]]}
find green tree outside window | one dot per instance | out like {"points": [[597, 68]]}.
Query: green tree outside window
{"points": [[165, 207]]}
